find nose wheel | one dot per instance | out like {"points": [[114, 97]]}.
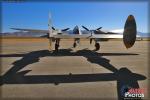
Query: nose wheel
{"points": [[97, 46]]}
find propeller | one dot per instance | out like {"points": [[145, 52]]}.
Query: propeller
{"points": [[65, 29], [91, 31], [85, 28], [99, 28], [53, 28], [62, 29]]}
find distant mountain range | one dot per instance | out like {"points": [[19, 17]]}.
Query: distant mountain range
{"points": [[30, 34], [143, 34], [22, 34], [140, 34]]}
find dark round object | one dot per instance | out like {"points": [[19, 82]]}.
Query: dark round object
{"points": [[74, 45], [97, 46]]}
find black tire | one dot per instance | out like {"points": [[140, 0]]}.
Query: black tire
{"points": [[56, 47], [90, 41], [97, 46], [74, 45]]}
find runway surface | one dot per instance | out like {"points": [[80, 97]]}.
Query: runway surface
{"points": [[30, 71]]}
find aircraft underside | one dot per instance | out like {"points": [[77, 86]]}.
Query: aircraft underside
{"points": [[75, 43]]}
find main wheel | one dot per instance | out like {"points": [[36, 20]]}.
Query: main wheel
{"points": [[97, 46], [90, 41], [56, 47], [74, 45]]}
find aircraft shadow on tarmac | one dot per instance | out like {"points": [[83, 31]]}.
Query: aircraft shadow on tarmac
{"points": [[123, 76]]}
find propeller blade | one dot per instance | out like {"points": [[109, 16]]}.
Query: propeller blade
{"points": [[99, 28], [65, 29], [53, 28], [85, 28]]}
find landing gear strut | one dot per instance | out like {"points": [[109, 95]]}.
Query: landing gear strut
{"points": [[74, 44], [90, 41], [57, 44], [76, 41], [97, 46]]}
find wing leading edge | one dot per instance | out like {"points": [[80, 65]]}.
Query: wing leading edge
{"points": [[31, 30]]}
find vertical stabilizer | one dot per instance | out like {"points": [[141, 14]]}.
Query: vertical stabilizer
{"points": [[50, 31], [50, 25], [130, 31]]}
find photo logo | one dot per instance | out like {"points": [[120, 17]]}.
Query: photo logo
{"points": [[132, 93]]}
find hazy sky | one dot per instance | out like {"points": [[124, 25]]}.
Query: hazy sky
{"points": [[109, 15]]}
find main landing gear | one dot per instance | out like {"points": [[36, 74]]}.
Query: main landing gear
{"points": [[97, 46], [76, 41], [57, 45], [74, 44]]}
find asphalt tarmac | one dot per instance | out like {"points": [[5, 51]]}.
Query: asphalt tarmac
{"points": [[30, 71]]}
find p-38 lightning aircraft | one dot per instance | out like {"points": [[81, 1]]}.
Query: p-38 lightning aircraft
{"points": [[54, 35]]}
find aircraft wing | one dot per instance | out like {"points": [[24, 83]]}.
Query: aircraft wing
{"points": [[31, 30], [67, 36], [107, 36], [104, 32], [96, 36]]}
